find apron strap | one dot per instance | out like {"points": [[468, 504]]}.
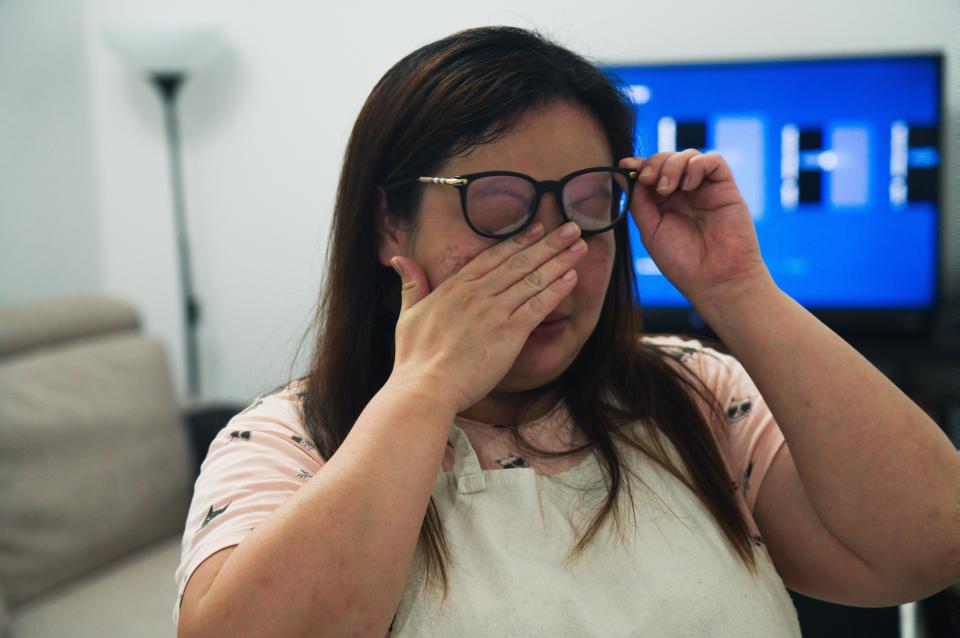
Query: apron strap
{"points": [[466, 465]]}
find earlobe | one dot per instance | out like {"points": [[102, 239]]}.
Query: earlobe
{"points": [[390, 233]]}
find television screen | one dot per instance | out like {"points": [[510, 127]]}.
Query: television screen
{"points": [[838, 160]]}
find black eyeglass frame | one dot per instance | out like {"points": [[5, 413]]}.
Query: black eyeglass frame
{"points": [[462, 182]]}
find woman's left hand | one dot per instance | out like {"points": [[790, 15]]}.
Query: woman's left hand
{"points": [[696, 225]]}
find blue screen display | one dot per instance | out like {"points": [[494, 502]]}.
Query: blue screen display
{"points": [[837, 159]]}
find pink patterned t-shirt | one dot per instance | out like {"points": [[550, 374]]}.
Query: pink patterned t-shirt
{"points": [[264, 454]]}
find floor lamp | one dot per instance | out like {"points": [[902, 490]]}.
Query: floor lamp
{"points": [[167, 54]]}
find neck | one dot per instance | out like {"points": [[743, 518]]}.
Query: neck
{"points": [[501, 408]]}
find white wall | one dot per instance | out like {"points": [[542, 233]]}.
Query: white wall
{"points": [[264, 129], [48, 219]]}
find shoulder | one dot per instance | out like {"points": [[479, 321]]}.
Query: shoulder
{"points": [[707, 361], [747, 434], [256, 461], [272, 422], [283, 399], [720, 373]]}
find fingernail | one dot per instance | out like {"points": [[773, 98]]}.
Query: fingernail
{"points": [[686, 183], [664, 183], [535, 230], [646, 171], [569, 230], [578, 247]]}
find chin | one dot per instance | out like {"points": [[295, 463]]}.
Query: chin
{"points": [[539, 364]]}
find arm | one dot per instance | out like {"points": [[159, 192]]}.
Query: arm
{"points": [[881, 475], [878, 472], [333, 559]]}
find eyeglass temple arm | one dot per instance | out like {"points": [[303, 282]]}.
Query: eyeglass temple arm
{"points": [[451, 181], [460, 181]]}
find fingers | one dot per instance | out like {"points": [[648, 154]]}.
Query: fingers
{"points": [[498, 253], [414, 281], [687, 170], [525, 266], [537, 293], [507, 262], [519, 266], [512, 272], [663, 171], [536, 308], [526, 273]]}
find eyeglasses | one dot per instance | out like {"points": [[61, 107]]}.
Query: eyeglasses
{"points": [[499, 204]]}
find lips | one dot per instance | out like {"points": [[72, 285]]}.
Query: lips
{"points": [[550, 328], [554, 316]]}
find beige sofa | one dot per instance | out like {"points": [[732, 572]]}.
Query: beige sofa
{"points": [[97, 470]]}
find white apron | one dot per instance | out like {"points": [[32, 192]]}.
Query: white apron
{"points": [[509, 531]]}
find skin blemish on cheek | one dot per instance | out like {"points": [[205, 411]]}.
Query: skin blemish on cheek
{"points": [[452, 259], [595, 270], [601, 254]]}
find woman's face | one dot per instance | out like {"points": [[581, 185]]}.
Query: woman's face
{"points": [[547, 144]]}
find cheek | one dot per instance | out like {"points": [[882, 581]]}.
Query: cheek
{"points": [[594, 271], [449, 260]]}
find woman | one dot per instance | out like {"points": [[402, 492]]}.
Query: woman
{"points": [[488, 441]]}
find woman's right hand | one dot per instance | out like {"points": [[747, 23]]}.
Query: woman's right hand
{"points": [[461, 339]]}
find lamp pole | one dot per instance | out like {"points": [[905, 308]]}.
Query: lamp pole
{"points": [[167, 51], [168, 85]]}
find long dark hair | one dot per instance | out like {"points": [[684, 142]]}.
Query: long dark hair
{"points": [[437, 102]]}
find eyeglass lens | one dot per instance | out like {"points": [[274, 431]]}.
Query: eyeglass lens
{"points": [[500, 204]]}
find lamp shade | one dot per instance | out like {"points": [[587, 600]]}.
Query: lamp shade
{"points": [[165, 48]]}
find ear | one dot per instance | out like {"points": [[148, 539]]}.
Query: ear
{"points": [[391, 235]]}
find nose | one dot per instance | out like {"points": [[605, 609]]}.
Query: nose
{"points": [[548, 211]]}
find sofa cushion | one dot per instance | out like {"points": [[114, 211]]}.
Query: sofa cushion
{"points": [[131, 597], [94, 459]]}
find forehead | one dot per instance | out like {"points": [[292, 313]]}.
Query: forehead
{"points": [[546, 143]]}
